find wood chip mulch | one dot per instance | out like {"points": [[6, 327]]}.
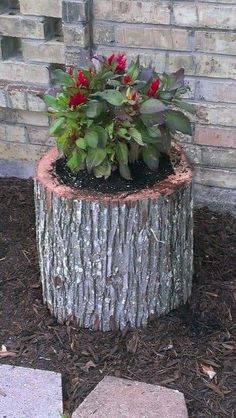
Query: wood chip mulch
{"points": [[193, 349]]}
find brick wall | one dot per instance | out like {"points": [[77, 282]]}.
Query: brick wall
{"points": [[37, 37]]}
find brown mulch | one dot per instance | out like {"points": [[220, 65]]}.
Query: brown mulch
{"points": [[178, 351]]}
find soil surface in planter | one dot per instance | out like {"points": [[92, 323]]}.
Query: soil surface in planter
{"points": [[176, 351], [142, 177]]}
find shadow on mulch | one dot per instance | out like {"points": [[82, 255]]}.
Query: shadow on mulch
{"points": [[173, 351]]}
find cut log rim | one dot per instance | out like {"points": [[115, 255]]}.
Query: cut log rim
{"points": [[46, 176]]}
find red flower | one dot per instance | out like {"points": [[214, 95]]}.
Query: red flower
{"points": [[70, 70], [82, 80], [77, 99], [120, 59], [126, 79], [110, 59], [154, 87], [121, 62], [134, 95]]}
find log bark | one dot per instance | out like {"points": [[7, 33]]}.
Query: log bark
{"points": [[107, 263]]}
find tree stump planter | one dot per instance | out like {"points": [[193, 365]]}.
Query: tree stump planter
{"points": [[111, 260]]}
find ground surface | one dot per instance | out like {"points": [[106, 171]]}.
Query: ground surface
{"points": [[176, 351]]}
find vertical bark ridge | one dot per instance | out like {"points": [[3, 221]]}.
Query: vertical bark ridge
{"points": [[109, 264]]}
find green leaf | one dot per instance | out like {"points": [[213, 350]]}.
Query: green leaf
{"points": [[81, 143], [152, 106], [164, 142], [76, 161], [110, 129], [56, 127], [153, 119], [150, 156], [177, 121], [126, 124], [102, 135], [63, 143], [154, 132], [94, 109], [166, 95], [122, 152], [114, 83], [149, 135], [114, 97], [176, 80], [146, 74], [63, 79], [71, 124], [95, 157], [89, 122], [52, 102], [185, 106], [124, 171], [134, 69], [136, 135], [62, 100], [103, 170], [91, 137], [123, 133], [106, 75]]}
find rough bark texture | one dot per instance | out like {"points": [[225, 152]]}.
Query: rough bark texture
{"points": [[109, 264]]}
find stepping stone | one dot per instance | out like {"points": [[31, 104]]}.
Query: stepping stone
{"points": [[122, 398], [29, 393]]}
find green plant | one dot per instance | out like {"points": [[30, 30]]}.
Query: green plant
{"points": [[111, 115]]}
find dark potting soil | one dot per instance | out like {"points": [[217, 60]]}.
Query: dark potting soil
{"points": [[142, 177], [175, 351]]}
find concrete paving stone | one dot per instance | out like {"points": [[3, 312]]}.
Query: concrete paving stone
{"points": [[29, 393], [122, 398]]}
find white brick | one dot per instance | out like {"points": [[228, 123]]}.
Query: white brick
{"points": [[186, 61], [211, 156], [132, 11], [3, 102], [217, 16], [217, 114], [15, 134], [40, 136], [218, 157], [216, 90], [51, 51], [217, 42], [190, 93], [151, 37], [27, 152], [215, 66], [28, 118], [22, 72], [204, 15], [185, 14], [216, 177], [17, 98], [20, 26], [2, 131], [51, 8], [76, 35], [35, 103]]}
